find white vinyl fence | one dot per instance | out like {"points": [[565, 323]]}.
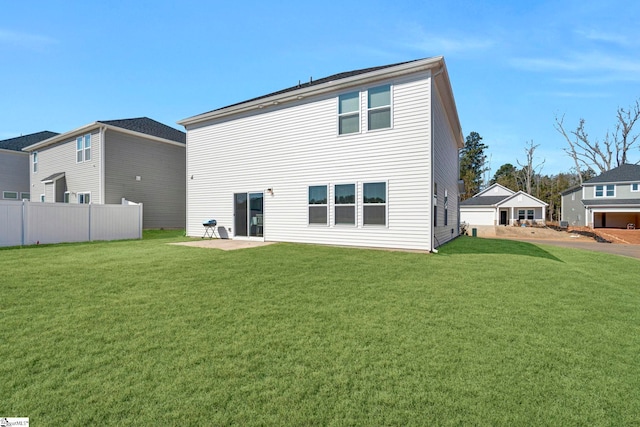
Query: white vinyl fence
{"points": [[29, 223]]}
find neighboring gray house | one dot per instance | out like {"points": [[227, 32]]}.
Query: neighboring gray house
{"points": [[498, 205], [610, 200], [361, 158], [140, 160], [14, 165]]}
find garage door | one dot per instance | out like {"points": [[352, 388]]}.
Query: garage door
{"points": [[477, 216]]}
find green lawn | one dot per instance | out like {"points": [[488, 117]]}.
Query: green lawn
{"points": [[487, 332]]}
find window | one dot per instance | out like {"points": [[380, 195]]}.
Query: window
{"points": [[66, 197], [349, 113], [345, 204], [635, 186], [318, 204], [435, 204], [525, 214], [446, 207], [35, 161], [84, 198], [83, 148], [42, 198], [605, 190], [379, 107], [374, 201], [10, 195], [25, 196]]}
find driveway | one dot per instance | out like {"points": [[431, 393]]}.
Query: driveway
{"points": [[632, 251]]}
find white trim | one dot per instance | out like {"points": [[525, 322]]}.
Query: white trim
{"points": [[357, 112], [83, 193], [637, 184], [354, 204], [326, 205], [390, 107]]}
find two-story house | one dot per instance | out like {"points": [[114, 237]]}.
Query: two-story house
{"points": [[610, 200], [14, 165], [361, 158], [104, 162]]}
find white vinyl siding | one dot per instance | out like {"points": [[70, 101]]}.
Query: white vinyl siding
{"points": [[269, 149]]}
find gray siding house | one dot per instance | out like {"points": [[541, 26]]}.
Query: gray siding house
{"points": [[610, 200], [14, 165], [104, 162], [361, 158]]}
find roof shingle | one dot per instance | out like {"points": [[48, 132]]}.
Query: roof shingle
{"points": [[623, 173], [18, 143], [150, 127]]}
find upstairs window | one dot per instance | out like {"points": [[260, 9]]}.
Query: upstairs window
{"points": [[379, 107], [35, 161], [374, 203], [83, 148], [349, 113], [318, 204], [635, 187], [345, 204], [605, 190]]}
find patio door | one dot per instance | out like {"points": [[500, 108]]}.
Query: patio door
{"points": [[249, 214]]}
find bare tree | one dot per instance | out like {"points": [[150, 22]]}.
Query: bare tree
{"points": [[529, 171], [601, 155]]}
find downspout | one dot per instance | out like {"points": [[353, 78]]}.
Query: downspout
{"points": [[103, 132]]}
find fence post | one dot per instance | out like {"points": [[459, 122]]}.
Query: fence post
{"points": [[24, 215], [89, 221]]}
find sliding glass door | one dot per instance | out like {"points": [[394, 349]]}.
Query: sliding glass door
{"points": [[249, 214]]}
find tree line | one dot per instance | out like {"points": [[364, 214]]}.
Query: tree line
{"points": [[590, 157]]}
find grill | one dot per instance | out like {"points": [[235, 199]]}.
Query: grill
{"points": [[209, 228]]}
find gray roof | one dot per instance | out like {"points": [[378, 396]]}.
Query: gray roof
{"points": [[623, 173], [150, 127], [610, 201], [484, 200], [312, 82], [571, 190], [18, 143]]}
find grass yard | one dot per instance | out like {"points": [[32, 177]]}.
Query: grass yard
{"points": [[487, 332]]}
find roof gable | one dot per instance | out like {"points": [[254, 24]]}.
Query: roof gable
{"points": [[495, 190], [484, 200], [515, 196], [623, 173], [18, 143]]}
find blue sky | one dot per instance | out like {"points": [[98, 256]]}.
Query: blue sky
{"points": [[514, 66]]}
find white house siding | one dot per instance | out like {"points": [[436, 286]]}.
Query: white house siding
{"points": [[289, 147], [445, 171], [61, 157], [14, 172], [161, 170]]}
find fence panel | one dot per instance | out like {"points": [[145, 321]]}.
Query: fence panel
{"points": [[26, 223], [10, 223]]}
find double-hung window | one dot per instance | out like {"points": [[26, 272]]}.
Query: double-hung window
{"points": [[83, 148], [84, 198], [605, 190], [349, 113], [525, 214], [345, 204], [374, 203], [318, 204], [35, 161], [379, 107]]}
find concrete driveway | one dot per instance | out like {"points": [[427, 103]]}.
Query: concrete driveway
{"points": [[632, 251]]}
